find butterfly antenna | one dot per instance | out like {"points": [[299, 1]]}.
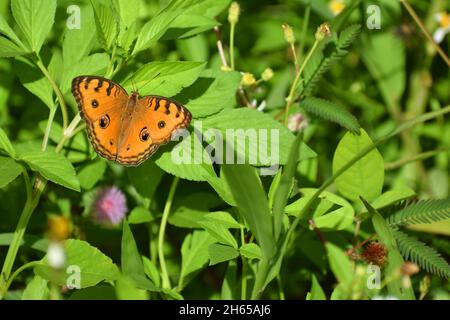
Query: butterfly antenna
{"points": [[150, 80]]}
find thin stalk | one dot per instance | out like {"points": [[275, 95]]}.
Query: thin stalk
{"points": [[19, 270], [51, 116], [244, 269], [58, 93], [425, 31], [162, 230], [290, 98], [232, 29], [418, 157]]}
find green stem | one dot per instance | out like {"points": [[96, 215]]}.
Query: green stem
{"points": [[232, 28], [58, 93], [28, 209], [19, 270], [244, 269], [280, 287], [162, 230], [290, 98], [51, 116], [418, 157]]}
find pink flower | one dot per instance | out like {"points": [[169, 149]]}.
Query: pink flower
{"points": [[110, 206]]}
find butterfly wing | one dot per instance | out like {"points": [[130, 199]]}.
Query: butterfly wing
{"points": [[102, 103], [154, 121]]}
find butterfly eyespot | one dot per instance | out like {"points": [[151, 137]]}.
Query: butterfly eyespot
{"points": [[94, 103], [104, 121], [144, 135], [161, 124]]}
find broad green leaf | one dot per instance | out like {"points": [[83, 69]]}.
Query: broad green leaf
{"points": [[7, 31], [365, 178], [394, 259], [94, 64], [33, 79], [251, 251], [339, 218], [213, 91], [252, 204], [128, 11], [219, 232], [9, 49], [140, 215], [126, 290], [91, 173], [5, 144], [222, 189], [223, 218], [100, 292], [92, 264], [230, 284], [164, 78], [186, 160], [388, 198], [194, 48], [36, 289], [340, 264], [257, 137], [53, 166], [29, 241], [105, 21], [219, 253], [35, 20], [9, 170], [185, 217], [316, 292], [194, 255], [188, 25], [77, 43], [389, 73]]}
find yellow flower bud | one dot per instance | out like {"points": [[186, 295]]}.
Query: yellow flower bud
{"points": [[267, 74], [225, 68], [59, 227], [248, 79], [233, 13], [323, 31], [288, 33]]}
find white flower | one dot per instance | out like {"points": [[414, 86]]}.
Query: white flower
{"points": [[444, 26], [55, 255], [297, 122]]}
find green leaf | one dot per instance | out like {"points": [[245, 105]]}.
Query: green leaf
{"points": [[219, 232], [340, 264], [425, 211], [140, 215], [35, 20], [5, 144], [394, 259], [93, 265], [389, 73], [77, 43], [100, 292], [213, 91], [32, 78], [316, 292], [252, 203], [164, 78], [106, 23], [53, 166], [223, 218], [250, 251], [126, 290], [327, 110], [151, 271], [94, 64], [418, 252], [7, 31], [128, 11], [284, 188], [194, 255], [9, 49], [219, 253], [340, 217], [36, 289], [9, 171], [365, 178], [131, 261], [91, 173], [186, 160], [272, 138]]}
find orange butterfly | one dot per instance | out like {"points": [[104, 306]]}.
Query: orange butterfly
{"points": [[122, 127]]}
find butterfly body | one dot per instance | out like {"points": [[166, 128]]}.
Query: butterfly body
{"points": [[125, 128]]}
